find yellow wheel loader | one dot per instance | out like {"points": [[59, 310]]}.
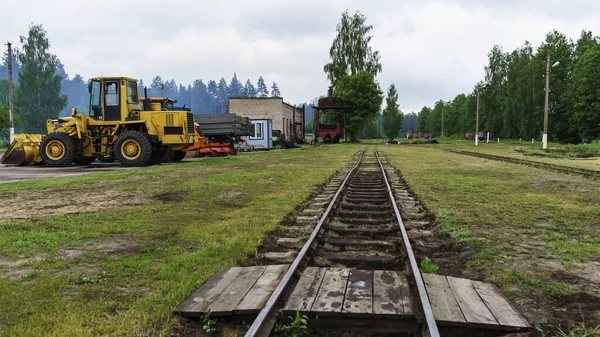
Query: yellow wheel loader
{"points": [[117, 127]]}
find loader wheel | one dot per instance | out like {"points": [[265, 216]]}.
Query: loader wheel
{"points": [[58, 149], [159, 156], [178, 156], [133, 149], [81, 160]]}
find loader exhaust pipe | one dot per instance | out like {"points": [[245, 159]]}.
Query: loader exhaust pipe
{"points": [[147, 103]]}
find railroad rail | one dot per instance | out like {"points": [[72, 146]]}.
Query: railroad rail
{"points": [[367, 191], [541, 165]]}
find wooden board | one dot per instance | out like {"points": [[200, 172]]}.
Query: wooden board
{"points": [[236, 289], [505, 314], [473, 308], [359, 293], [258, 295], [443, 304], [304, 294], [199, 300], [330, 296], [391, 296]]}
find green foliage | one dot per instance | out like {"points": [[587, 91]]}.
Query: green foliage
{"points": [[561, 288], [350, 52], [584, 94], [392, 115], [38, 97], [362, 99], [428, 267], [208, 324], [298, 326]]}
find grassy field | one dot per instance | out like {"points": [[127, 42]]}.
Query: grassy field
{"points": [[563, 154], [535, 233], [119, 271]]}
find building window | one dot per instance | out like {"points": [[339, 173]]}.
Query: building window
{"points": [[258, 130]]}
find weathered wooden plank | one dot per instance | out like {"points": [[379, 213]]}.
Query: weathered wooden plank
{"points": [[238, 287], [195, 304], [330, 296], [258, 295], [472, 306], [359, 293], [391, 297], [304, 294], [443, 304], [505, 314]]}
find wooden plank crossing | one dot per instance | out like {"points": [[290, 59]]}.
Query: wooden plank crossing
{"points": [[352, 293], [471, 304], [238, 290]]}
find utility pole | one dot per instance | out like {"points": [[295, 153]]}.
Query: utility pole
{"points": [[545, 135], [477, 121], [442, 118], [10, 94]]}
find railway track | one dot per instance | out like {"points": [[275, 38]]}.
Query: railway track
{"points": [[361, 228], [553, 167], [347, 262]]}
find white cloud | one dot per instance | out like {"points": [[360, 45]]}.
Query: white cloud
{"points": [[429, 49]]}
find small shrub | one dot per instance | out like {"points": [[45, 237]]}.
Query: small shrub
{"points": [[428, 267], [298, 326]]}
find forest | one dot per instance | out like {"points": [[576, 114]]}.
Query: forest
{"points": [[512, 94], [61, 92]]}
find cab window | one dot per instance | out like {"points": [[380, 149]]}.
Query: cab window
{"points": [[95, 100], [132, 93], [111, 94]]}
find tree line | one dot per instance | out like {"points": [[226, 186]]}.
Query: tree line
{"points": [[512, 93], [43, 90]]}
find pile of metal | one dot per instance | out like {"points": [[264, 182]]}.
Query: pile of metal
{"points": [[224, 125]]}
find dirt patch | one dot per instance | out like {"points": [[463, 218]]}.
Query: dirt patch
{"points": [[170, 197], [30, 205], [119, 246]]}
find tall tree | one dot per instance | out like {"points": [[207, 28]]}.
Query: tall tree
{"points": [[392, 115], [261, 88], [584, 95], [423, 119], [350, 51], [236, 89], [156, 87], [275, 90], [249, 89], [38, 96], [362, 100], [222, 96]]}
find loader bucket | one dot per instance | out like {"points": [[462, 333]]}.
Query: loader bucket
{"points": [[24, 150]]}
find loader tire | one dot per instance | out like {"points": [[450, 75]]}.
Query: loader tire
{"points": [[133, 148], [81, 160], [58, 149], [178, 156]]}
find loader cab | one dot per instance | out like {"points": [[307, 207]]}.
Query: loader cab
{"points": [[113, 98]]}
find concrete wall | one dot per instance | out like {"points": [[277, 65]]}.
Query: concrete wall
{"points": [[273, 108]]}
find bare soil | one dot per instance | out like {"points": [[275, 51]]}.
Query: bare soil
{"points": [[28, 205]]}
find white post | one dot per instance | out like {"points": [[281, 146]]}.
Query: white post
{"points": [[531, 140], [10, 95], [545, 136], [498, 139], [488, 138]]}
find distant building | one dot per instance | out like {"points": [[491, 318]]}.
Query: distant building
{"points": [[287, 119]]}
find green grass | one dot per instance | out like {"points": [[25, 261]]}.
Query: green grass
{"points": [[128, 267], [524, 226], [428, 267]]}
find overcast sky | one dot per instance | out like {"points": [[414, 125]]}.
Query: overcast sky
{"points": [[429, 49]]}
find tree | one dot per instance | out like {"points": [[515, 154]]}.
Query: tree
{"points": [[584, 95], [38, 96], [423, 119], [156, 87], [350, 51], [392, 116], [261, 88], [275, 90], [362, 100], [222, 96], [249, 89], [236, 89]]}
